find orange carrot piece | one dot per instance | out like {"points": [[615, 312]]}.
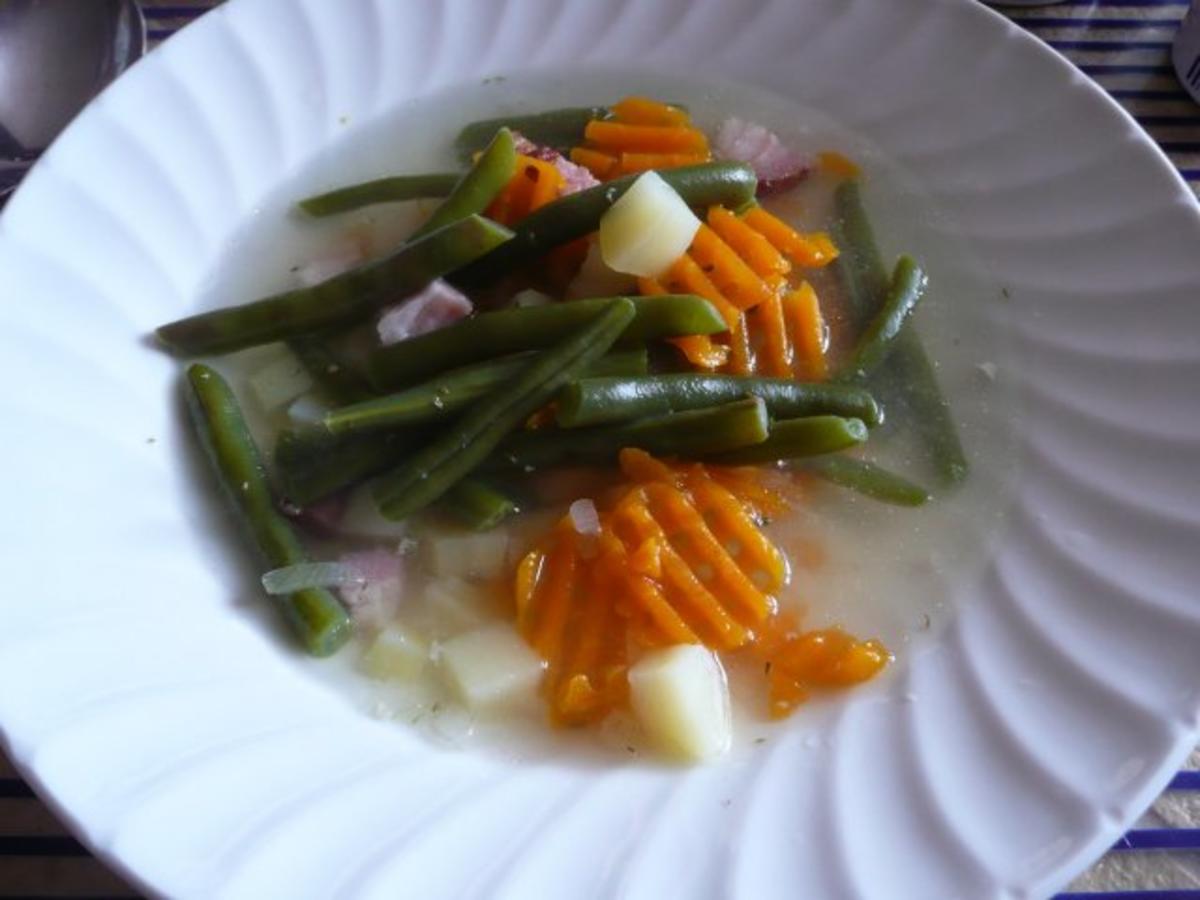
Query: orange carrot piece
{"points": [[698, 349], [629, 163], [733, 278], [812, 250], [602, 165], [686, 273], [546, 182], [645, 111], [554, 599], [741, 356], [837, 165], [622, 138], [726, 518], [650, 287], [529, 572], [774, 351], [638, 465], [759, 254], [807, 331], [697, 605]]}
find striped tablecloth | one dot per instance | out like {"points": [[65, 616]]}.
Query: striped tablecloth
{"points": [[1124, 45]]}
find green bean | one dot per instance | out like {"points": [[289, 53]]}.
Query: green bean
{"points": [[869, 480], [595, 401], [341, 300], [691, 434], [381, 190], [340, 381], [908, 373], [558, 128], [799, 438], [477, 504], [446, 395], [312, 464], [532, 328], [316, 616], [440, 465], [571, 217], [878, 339], [479, 187]]}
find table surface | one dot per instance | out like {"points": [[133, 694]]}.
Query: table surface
{"points": [[1125, 46]]}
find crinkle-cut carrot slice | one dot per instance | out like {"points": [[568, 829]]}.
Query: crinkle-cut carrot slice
{"points": [[837, 165], [774, 351], [638, 465], [806, 328], [725, 516], [698, 349], [744, 483], [758, 253], [736, 281], [548, 181], [554, 596], [810, 251], [784, 694], [628, 163], [741, 356], [690, 537], [646, 560], [623, 138], [529, 574], [602, 165], [684, 592], [534, 184], [687, 275], [646, 111]]}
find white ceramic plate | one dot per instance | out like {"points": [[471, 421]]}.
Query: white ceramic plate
{"points": [[171, 728]]}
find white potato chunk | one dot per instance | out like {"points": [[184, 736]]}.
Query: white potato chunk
{"points": [[398, 652], [491, 668], [455, 606], [647, 229], [681, 698], [477, 556], [279, 381]]}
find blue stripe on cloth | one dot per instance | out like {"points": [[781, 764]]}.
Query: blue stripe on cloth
{"points": [[1186, 781], [1122, 69], [1188, 121], [1168, 894], [1033, 23], [1136, 94], [1160, 839], [1107, 46]]}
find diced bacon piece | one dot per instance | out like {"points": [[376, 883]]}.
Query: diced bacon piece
{"points": [[776, 165], [375, 593], [437, 306], [575, 177]]}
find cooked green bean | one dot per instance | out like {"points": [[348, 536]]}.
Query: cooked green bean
{"points": [[799, 438], [436, 468], [869, 480], [338, 379], [691, 434], [380, 190], [878, 339], [477, 504], [312, 464], [341, 300], [531, 328], [557, 128], [316, 616], [446, 395], [908, 373], [576, 215], [479, 187], [595, 401]]}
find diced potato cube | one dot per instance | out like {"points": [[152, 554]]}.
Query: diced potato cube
{"points": [[681, 698], [398, 652], [647, 229], [491, 667], [280, 381], [455, 606], [477, 556]]}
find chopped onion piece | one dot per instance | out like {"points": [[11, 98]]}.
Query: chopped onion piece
{"points": [[290, 579], [306, 410], [584, 517], [647, 229]]}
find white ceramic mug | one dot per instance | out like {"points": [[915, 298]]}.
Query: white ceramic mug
{"points": [[1186, 51]]}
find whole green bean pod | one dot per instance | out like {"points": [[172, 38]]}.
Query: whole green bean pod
{"points": [[799, 438], [531, 328], [339, 380], [315, 615], [595, 401], [380, 190], [340, 300], [446, 395], [437, 467], [479, 187], [477, 504], [557, 128], [692, 434], [312, 464], [869, 480], [577, 215], [878, 339], [908, 372]]}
